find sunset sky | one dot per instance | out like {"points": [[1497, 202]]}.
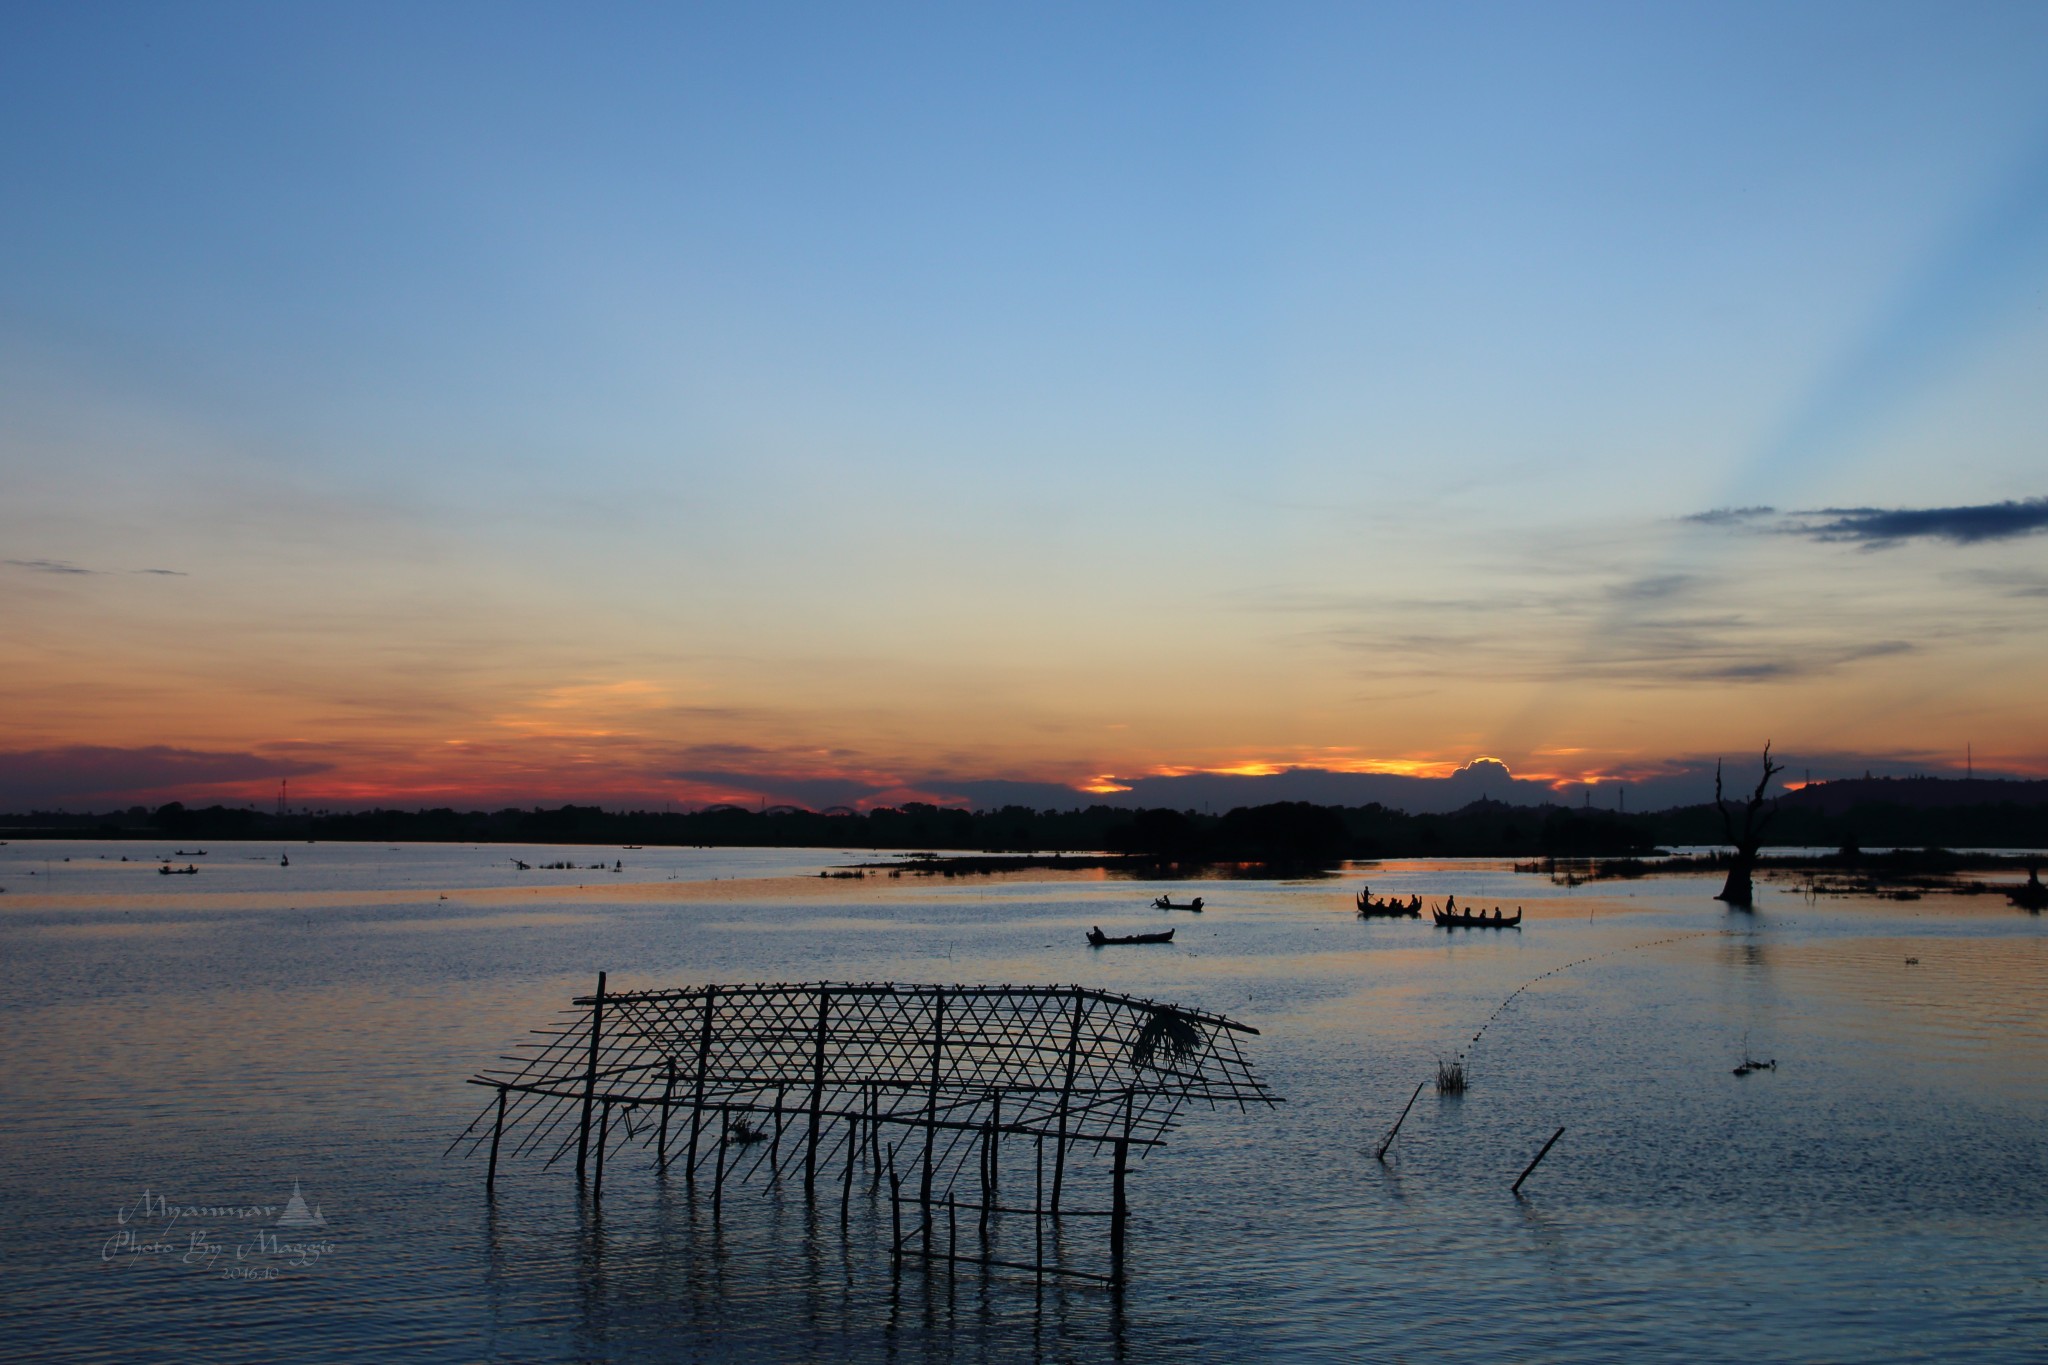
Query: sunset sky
{"points": [[492, 404]]}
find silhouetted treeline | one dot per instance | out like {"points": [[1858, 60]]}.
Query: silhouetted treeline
{"points": [[1288, 832]]}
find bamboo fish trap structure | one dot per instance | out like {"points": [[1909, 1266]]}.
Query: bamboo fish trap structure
{"points": [[974, 1104]]}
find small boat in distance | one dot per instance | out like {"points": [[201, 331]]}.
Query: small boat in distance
{"points": [[1477, 919], [1166, 903], [1096, 938], [188, 870], [1368, 908], [2030, 894]]}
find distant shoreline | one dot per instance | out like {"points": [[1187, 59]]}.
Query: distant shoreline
{"points": [[1923, 814]]}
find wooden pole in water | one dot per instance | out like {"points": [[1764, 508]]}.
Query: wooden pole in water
{"points": [[668, 1095], [590, 1078], [988, 1134], [1516, 1188], [1038, 1208], [604, 1133], [875, 1138], [852, 1157], [995, 1147], [817, 1092], [1059, 1153], [931, 1115], [497, 1131], [895, 1211], [1117, 1213], [703, 1064], [718, 1179], [1381, 1154]]}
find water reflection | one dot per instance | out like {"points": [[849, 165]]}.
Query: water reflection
{"points": [[229, 1042]]}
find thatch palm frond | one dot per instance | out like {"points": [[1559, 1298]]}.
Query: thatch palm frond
{"points": [[1168, 1035]]}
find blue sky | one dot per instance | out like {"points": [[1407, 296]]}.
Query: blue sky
{"points": [[1048, 394]]}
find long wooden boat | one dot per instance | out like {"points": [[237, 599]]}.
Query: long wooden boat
{"points": [[2030, 894], [1462, 919], [1167, 903], [188, 870], [1368, 908], [1096, 938]]}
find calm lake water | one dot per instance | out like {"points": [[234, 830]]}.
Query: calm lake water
{"points": [[215, 1040]]}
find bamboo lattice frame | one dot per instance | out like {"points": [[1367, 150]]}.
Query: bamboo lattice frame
{"points": [[918, 1084]]}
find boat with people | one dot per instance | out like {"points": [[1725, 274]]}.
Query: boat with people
{"points": [[2030, 894], [1167, 903], [1097, 939], [1390, 908], [188, 870], [1451, 917]]}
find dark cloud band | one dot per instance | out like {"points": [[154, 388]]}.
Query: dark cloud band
{"points": [[1958, 525]]}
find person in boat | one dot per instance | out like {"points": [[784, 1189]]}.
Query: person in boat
{"points": [[1496, 914], [1450, 905], [1195, 904]]}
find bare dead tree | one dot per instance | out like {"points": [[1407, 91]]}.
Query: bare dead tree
{"points": [[1757, 812]]}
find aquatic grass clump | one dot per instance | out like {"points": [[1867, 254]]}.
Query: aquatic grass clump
{"points": [[740, 1133], [1450, 1077]]}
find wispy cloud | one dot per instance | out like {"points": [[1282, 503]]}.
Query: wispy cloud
{"points": [[65, 566], [1730, 516], [2011, 583], [46, 566]]}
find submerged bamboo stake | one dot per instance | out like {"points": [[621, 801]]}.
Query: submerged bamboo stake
{"points": [[852, 1156], [1381, 1154], [875, 1138], [1516, 1188], [604, 1134], [497, 1131], [668, 1095], [895, 1210], [995, 1138], [1038, 1208], [817, 1092], [1059, 1154], [931, 1116], [590, 1077], [718, 1180], [987, 1133], [697, 1104], [1118, 1212]]}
